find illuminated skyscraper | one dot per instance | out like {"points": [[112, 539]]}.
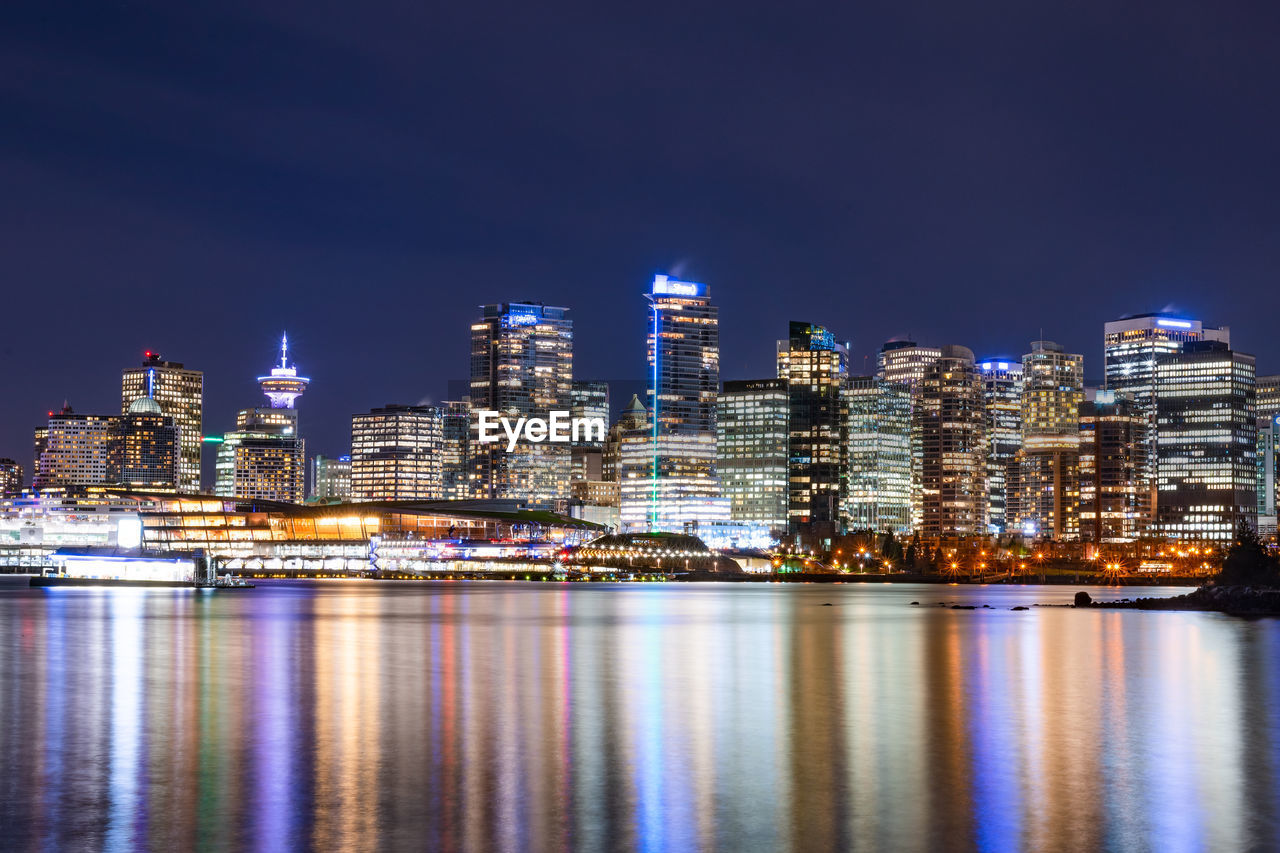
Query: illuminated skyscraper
{"points": [[1268, 396], [145, 449], [1131, 347], [40, 440], [264, 458], [684, 365], [1206, 464], [904, 363], [396, 454], [633, 421], [1268, 411], [952, 423], [589, 400], [10, 478], [879, 457], [76, 450], [180, 393], [1268, 468], [815, 367], [628, 460], [1052, 390], [521, 366], [331, 478], [455, 465], [1002, 393], [752, 455], [1113, 449]]}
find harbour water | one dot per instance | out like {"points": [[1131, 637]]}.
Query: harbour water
{"points": [[351, 715]]}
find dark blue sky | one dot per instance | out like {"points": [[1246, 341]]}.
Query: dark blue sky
{"points": [[194, 178]]}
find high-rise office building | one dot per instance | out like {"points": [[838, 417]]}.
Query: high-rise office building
{"points": [[1002, 395], [40, 440], [396, 454], [1206, 443], [264, 458], [628, 461], [1052, 390], [952, 424], [456, 474], [521, 366], [76, 450], [684, 364], [1268, 396], [11, 481], [1131, 346], [815, 367], [904, 363], [1114, 495], [331, 478], [180, 393], [752, 459], [878, 490], [1268, 483], [589, 399], [586, 453], [145, 449], [634, 421]]}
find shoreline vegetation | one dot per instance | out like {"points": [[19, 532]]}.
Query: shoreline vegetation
{"points": [[1248, 585]]}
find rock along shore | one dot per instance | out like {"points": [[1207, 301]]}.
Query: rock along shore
{"points": [[1234, 600]]}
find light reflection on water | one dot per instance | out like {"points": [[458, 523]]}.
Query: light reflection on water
{"points": [[507, 716]]}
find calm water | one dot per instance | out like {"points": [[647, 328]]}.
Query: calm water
{"points": [[506, 716]]}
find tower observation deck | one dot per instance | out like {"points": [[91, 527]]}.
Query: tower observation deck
{"points": [[284, 385]]}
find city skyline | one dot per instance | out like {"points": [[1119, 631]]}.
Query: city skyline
{"points": [[332, 438], [326, 438]]}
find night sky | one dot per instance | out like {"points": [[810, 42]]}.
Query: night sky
{"points": [[196, 180]]}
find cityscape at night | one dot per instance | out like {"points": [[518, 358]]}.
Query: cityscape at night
{"points": [[594, 429]]}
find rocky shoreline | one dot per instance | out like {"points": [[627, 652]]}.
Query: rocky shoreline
{"points": [[1232, 600]]}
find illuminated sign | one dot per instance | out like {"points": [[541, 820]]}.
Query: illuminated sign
{"points": [[129, 532], [525, 317], [670, 287], [821, 339], [1174, 324]]}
